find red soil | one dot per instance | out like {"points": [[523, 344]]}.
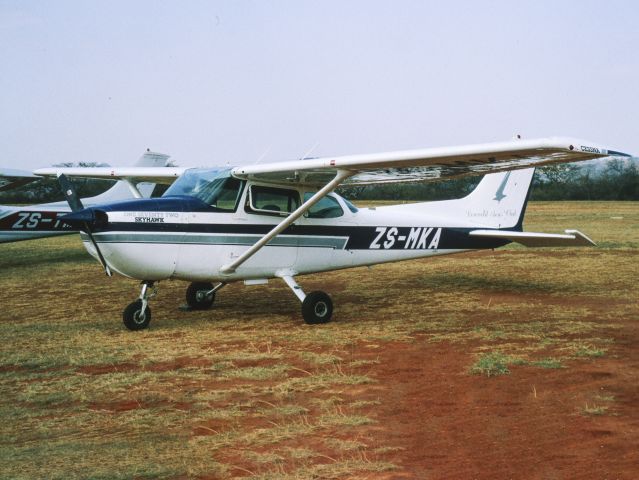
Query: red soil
{"points": [[529, 424]]}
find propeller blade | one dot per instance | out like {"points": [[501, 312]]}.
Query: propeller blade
{"points": [[69, 193], [103, 262], [76, 206]]}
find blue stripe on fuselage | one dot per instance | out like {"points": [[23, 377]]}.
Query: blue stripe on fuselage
{"points": [[359, 237]]}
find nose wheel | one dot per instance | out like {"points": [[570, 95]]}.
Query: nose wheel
{"points": [[137, 315]]}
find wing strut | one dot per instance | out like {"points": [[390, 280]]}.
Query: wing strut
{"points": [[301, 210], [132, 187]]}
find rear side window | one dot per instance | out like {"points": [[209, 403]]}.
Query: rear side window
{"points": [[273, 200]]}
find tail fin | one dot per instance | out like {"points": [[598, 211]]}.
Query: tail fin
{"points": [[121, 191], [500, 199]]}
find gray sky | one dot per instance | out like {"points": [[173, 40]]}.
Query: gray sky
{"points": [[216, 82]]}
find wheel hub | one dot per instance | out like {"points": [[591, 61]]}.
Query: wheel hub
{"points": [[139, 317], [321, 309]]}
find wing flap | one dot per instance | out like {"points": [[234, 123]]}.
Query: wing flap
{"points": [[571, 238]]}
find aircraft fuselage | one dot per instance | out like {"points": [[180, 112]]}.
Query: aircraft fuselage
{"points": [[183, 238]]}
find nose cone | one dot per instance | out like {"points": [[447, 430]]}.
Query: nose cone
{"points": [[92, 217]]}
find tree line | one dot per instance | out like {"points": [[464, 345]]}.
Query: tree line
{"points": [[616, 180]]}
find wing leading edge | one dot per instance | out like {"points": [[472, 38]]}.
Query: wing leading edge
{"points": [[429, 165], [424, 165]]}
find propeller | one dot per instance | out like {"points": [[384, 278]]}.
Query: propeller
{"points": [[82, 216]]}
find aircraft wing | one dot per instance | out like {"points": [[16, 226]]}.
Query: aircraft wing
{"points": [[429, 165], [12, 178], [165, 175]]}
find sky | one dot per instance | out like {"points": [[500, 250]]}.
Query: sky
{"points": [[238, 82]]}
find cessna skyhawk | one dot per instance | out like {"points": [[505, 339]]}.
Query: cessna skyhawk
{"points": [[256, 222]]}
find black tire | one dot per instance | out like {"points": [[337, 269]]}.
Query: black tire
{"points": [[133, 320], [196, 298], [317, 307]]}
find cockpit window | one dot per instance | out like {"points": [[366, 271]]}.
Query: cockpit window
{"points": [[327, 207], [213, 186], [350, 206]]}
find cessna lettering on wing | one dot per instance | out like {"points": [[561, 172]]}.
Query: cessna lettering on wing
{"points": [[408, 238], [590, 149]]}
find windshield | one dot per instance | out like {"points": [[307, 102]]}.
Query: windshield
{"points": [[214, 186]]}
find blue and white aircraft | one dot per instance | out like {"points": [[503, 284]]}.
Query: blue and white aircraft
{"points": [[281, 220], [44, 220]]}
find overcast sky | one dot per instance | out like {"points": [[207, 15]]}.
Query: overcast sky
{"points": [[217, 82]]}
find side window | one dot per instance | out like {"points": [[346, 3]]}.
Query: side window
{"points": [[273, 200], [222, 194], [327, 207]]}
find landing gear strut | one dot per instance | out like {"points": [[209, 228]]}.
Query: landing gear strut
{"points": [[201, 295], [137, 315], [317, 307]]}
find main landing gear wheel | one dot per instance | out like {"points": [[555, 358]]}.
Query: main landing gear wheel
{"points": [[134, 318], [199, 295], [317, 307]]}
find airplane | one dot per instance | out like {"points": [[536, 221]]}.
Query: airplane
{"points": [[280, 220], [44, 220]]}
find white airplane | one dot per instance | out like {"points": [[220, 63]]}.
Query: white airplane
{"points": [[44, 220], [280, 220]]}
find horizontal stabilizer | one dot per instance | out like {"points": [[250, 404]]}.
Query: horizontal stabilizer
{"points": [[572, 238]]}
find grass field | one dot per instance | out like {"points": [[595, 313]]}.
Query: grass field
{"points": [[247, 390]]}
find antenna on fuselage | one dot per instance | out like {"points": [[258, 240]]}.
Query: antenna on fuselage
{"points": [[310, 150]]}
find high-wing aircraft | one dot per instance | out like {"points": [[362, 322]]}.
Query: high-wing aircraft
{"points": [[280, 220], [44, 220]]}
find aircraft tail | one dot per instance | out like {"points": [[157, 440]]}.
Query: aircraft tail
{"points": [[121, 191], [499, 200]]}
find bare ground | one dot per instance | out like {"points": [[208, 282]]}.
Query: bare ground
{"points": [[385, 391]]}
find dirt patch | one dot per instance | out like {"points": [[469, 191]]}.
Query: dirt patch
{"points": [[576, 422]]}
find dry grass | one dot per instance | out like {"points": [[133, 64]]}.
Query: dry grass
{"points": [[247, 389]]}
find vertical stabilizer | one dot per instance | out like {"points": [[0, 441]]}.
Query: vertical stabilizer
{"points": [[500, 199]]}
